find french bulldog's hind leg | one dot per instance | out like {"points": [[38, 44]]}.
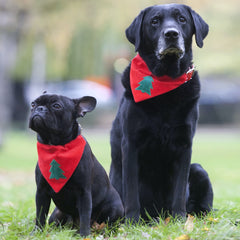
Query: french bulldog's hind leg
{"points": [[58, 218], [112, 209]]}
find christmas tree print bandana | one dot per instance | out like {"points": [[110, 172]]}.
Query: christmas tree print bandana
{"points": [[145, 85], [58, 163]]}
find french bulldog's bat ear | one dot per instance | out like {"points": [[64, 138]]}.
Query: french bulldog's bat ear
{"points": [[84, 105]]}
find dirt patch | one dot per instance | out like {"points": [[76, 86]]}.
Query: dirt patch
{"points": [[16, 178]]}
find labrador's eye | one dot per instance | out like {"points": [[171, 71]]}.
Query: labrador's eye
{"points": [[154, 21], [182, 19]]}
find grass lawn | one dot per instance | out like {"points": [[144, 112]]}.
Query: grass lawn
{"points": [[218, 152]]}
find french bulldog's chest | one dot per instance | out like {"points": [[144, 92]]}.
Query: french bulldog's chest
{"points": [[66, 198]]}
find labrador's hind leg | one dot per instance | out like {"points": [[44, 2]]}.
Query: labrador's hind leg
{"points": [[200, 198]]}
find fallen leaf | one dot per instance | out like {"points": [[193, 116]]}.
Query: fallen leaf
{"points": [[167, 220], [145, 235], [183, 237], [97, 226], [189, 223], [206, 229], [102, 225], [121, 230], [211, 219]]}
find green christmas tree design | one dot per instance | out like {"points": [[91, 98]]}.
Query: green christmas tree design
{"points": [[56, 171], [145, 85]]}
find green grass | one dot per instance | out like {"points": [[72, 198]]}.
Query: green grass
{"points": [[220, 155], [217, 152]]}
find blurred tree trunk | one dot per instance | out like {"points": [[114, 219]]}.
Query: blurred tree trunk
{"points": [[5, 85], [11, 23], [38, 74]]}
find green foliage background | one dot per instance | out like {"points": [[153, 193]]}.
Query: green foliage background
{"points": [[84, 37]]}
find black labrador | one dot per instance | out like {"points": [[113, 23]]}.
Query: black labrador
{"points": [[152, 134]]}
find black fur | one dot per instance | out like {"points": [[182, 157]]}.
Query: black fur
{"points": [[151, 141], [88, 196]]}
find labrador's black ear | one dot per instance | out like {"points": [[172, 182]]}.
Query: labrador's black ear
{"points": [[133, 32], [84, 105], [201, 27]]}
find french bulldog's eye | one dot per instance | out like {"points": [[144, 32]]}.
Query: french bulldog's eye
{"points": [[33, 104], [56, 106]]}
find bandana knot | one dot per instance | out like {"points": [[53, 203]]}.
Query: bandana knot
{"points": [[145, 85], [57, 163]]}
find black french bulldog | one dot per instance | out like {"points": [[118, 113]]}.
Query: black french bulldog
{"points": [[67, 171]]}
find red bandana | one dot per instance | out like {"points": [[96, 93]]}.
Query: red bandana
{"points": [[145, 85], [57, 163]]}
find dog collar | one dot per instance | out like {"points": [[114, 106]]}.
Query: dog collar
{"points": [[58, 163], [145, 85]]}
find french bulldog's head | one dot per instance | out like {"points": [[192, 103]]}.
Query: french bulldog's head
{"points": [[54, 117]]}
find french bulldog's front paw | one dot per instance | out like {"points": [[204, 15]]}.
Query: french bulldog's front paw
{"points": [[133, 220], [36, 230]]}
